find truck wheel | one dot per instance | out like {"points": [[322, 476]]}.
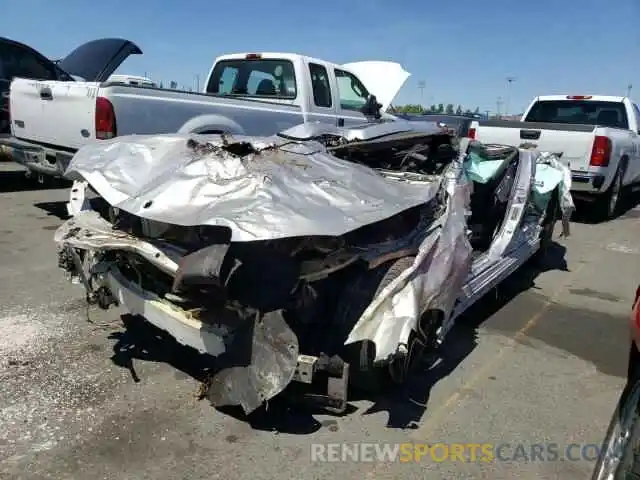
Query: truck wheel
{"points": [[609, 203], [355, 298]]}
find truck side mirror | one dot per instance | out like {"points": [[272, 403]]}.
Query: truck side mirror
{"points": [[372, 108]]}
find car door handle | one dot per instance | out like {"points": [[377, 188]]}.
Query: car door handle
{"points": [[341, 122], [46, 94]]}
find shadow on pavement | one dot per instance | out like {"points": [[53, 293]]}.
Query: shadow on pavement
{"points": [[142, 341], [407, 405], [54, 209], [16, 181], [627, 203]]}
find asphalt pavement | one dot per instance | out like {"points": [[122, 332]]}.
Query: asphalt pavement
{"points": [[536, 367]]}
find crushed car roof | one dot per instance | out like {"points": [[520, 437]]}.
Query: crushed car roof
{"points": [[277, 188]]}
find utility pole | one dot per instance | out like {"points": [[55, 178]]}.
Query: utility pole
{"points": [[510, 80], [629, 87], [197, 76], [421, 86], [487, 114], [499, 103]]}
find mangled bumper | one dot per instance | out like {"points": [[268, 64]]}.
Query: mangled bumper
{"points": [[259, 352]]}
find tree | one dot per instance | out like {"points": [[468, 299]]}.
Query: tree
{"points": [[433, 108], [459, 110], [477, 111], [440, 108], [449, 110], [161, 85], [468, 113]]}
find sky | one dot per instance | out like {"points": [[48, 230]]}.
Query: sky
{"points": [[462, 50]]}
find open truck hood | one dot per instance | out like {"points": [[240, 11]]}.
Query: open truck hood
{"points": [[382, 79], [96, 60]]}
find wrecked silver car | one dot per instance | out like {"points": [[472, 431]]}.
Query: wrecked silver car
{"points": [[318, 254]]}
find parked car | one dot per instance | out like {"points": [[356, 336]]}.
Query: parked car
{"points": [[619, 456], [596, 136], [247, 93], [333, 251], [20, 60]]}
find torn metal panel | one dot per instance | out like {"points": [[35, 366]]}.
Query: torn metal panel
{"points": [[294, 189], [567, 205], [264, 354], [433, 282], [88, 230]]}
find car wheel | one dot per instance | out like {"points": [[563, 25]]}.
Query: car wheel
{"points": [[364, 375], [620, 449], [611, 200]]}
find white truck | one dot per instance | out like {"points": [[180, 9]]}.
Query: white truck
{"points": [[596, 136], [247, 93]]}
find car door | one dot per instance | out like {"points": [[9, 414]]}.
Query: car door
{"points": [[322, 104], [351, 95]]}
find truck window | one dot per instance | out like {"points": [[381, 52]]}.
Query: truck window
{"points": [[320, 85], [584, 112], [271, 78], [353, 94]]}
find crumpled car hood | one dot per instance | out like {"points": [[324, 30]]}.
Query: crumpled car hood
{"points": [[292, 189]]}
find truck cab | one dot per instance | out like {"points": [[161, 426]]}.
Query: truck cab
{"points": [[323, 91]]}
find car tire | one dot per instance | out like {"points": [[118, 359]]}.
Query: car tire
{"points": [[607, 207], [364, 375]]}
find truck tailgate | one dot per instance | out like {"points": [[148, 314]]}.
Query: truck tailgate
{"points": [[572, 142], [53, 112]]}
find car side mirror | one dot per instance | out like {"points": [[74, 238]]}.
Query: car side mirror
{"points": [[371, 109]]}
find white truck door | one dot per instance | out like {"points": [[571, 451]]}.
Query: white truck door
{"points": [[27, 98], [321, 99], [351, 96]]}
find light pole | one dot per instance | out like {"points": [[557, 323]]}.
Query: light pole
{"points": [[421, 86], [197, 78], [510, 80], [498, 106]]}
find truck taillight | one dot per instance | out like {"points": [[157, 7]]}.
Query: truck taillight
{"points": [[472, 133], [579, 97], [105, 119], [601, 152]]}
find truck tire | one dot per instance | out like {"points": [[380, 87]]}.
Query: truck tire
{"points": [[607, 207], [355, 298]]}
